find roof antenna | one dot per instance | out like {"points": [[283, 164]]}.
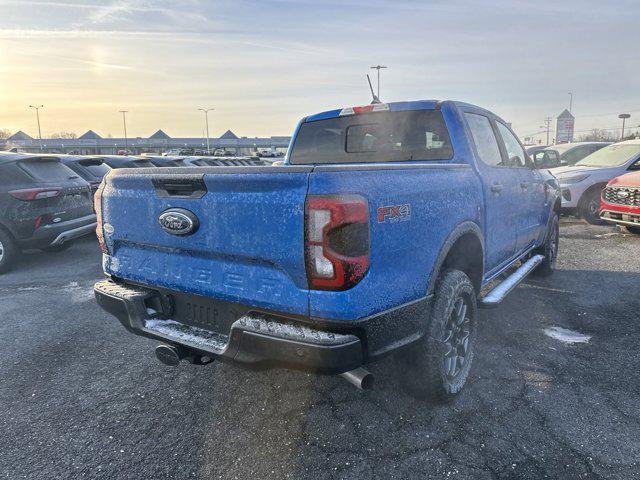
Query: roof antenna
{"points": [[375, 99]]}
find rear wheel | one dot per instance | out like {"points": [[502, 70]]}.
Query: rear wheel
{"points": [[590, 207], [550, 248], [8, 252], [439, 364], [634, 230]]}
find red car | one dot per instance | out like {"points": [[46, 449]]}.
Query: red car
{"points": [[621, 202]]}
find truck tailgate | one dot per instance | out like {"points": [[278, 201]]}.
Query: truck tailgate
{"points": [[248, 248]]}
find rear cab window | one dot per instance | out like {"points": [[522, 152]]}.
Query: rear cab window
{"points": [[47, 170], [388, 136]]}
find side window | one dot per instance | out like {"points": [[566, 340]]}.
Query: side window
{"points": [[575, 155], [515, 152], [484, 138]]}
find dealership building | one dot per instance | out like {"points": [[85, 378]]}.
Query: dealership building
{"points": [[90, 143]]}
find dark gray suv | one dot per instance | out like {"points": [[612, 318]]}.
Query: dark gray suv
{"points": [[43, 204]]}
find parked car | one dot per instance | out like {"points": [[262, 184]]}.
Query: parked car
{"points": [[270, 154], [546, 159], [91, 169], [124, 161], [378, 234], [582, 183], [621, 202], [43, 204], [175, 152], [572, 153], [221, 152], [532, 149]]}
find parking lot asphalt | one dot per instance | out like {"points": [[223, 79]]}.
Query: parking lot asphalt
{"points": [[82, 398]]}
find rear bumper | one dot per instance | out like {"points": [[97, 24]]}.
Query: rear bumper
{"points": [[59, 233], [264, 339]]}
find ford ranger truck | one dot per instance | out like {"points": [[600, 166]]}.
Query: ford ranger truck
{"points": [[380, 233]]}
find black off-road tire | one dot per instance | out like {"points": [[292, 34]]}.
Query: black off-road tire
{"points": [[632, 229], [9, 251], [550, 248], [589, 208], [431, 367]]}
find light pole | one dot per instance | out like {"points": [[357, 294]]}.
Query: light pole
{"points": [[38, 107], [378, 68], [623, 116], [206, 120], [124, 122], [570, 101]]}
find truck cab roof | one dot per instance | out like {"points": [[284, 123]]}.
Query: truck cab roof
{"points": [[404, 105]]}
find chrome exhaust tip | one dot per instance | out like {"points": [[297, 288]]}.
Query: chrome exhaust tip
{"points": [[169, 355], [360, 378]]}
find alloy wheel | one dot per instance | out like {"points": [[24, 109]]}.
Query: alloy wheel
{"points": [[457, 339]]}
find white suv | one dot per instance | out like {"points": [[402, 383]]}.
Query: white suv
{"points": [[583, 182]]}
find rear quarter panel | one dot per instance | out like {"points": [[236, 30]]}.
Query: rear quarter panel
{"points": [[403, 253]]}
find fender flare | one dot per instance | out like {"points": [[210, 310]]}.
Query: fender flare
{"points": [[8, 230], [460, 230]]}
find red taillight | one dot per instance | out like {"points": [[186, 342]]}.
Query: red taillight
{"points": [[29, 194], [97, 206], [336, 241]]}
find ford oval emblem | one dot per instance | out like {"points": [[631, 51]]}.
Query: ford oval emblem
{"points": [[623, 194], [178, 221]]}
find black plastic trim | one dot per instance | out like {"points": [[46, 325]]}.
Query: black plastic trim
{"points": [[373, 337]]}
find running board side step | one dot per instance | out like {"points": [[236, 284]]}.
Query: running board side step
{"points": [[498, 294]]}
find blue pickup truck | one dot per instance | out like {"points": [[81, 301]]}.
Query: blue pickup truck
{"points": [[385, 229]]}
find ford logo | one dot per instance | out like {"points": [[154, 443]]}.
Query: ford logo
{"points": [[623, 194], [178, 221]]}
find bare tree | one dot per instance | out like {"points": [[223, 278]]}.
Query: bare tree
{"points": [[598, 135], [63, 135], [4, 133]]}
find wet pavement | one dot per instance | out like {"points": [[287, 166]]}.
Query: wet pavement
{"points": [[82, 398]]}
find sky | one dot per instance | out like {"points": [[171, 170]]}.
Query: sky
{"points": [[262, 65]]}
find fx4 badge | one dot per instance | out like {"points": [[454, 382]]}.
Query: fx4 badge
{"points": [[394, 213]]}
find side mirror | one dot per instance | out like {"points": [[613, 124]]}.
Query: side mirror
{"points": [[538, 161]]}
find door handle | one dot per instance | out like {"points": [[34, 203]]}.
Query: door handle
{"points": [[496, 187], [524, 185]]}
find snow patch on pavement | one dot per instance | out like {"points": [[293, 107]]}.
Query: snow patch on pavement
{"points": [[567, 336], [77, 293]]}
